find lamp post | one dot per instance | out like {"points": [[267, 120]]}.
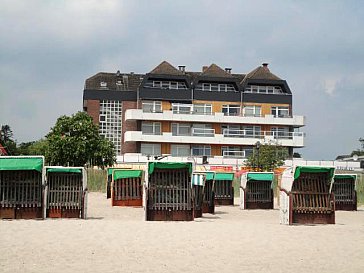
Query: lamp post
{"points": [[257, 146]]}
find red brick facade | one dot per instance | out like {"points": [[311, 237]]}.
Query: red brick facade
{"points": [[93, 109]]}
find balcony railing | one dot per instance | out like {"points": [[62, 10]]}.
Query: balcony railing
{"points": [[190, 109], [202, 132], [236, 154], [260, 134]]}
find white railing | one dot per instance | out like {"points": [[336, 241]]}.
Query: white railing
{"points": [[262, 134], [203, 132], [188, 109], [235, 154]]}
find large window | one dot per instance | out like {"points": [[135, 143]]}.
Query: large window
{"points": [[181, 129], [232, 151], [151, 128], [252, 111], [202, 109], [180, 150], [200, 150], [180, 108], [232, 131], [110, 122], [280, 111], [281, 132], [252, 131], [166, 84], [152, 106], [217, 87], [150, 149], [231, 110], [202, 130], [262, 89]]}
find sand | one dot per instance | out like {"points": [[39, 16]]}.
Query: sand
{"points": [[117, 239]]}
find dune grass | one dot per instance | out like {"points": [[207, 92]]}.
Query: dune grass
{"points": [[96, 180]]}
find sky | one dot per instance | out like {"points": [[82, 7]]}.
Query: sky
{"points": [[49, 48]]}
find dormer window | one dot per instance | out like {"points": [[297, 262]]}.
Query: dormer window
{"points": [[263, 89], [217, 87], [103, 85], [166, 84]]}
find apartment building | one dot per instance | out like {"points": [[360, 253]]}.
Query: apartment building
{"points": [[213, 112]]}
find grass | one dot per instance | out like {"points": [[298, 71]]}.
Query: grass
{"points": [[96, 180], [360, 189]]}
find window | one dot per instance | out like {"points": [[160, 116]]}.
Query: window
{"points": [[151, 128], [179, 108], [252, 111], [280, 111], [262, 89], [200, 150], [231, 110], [232, 131], [280, 132], [232, 151], [157, 84], [220, 87], [166, 84], [202, 109], [152, 106], [150, 149], [110, 122], [180, 150], [203, 130], [181, 129], [252, 131]]}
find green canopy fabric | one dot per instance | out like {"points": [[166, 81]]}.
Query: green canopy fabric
{"points": [[224, 176], [310, 169], [345, 176], [210, 176], [120, 174], [21, 164], [260, 176], [63, 170], [169, 165]]}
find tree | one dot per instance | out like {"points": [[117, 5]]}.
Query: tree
{"points": [[38, 147], [359, 151], [6, 140], [75, 141], [267, 157]]}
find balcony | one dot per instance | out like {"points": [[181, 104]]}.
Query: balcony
{"points": [[188, 115], [229, 137]]}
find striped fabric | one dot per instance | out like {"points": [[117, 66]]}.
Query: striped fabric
{"points": [[198, 179]]}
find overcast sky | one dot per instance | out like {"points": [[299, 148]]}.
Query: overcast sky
{"points": [[48, 49]]}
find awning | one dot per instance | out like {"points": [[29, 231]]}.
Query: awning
{"points": [[21, 164], [224, 176], [120, 174], [210, 176], [260, 176], [311, 169], [169, 165], [345, 176], [64, 170]]}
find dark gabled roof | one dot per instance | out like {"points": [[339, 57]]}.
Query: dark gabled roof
{"points": [[215, 71], [165, 68], [261, 73], [129, 81]]}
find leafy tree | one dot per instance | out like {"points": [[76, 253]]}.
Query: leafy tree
{"points": [[359, 151], [38, 147], [267, 157], [75, 141], [6, 140]]}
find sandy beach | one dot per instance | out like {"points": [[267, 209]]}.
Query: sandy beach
{"points": [[117, 239]]}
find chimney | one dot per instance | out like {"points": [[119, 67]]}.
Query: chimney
{"points": [[118, 73], [204, 68], [182, 68], [228, 70], [265, 66]]}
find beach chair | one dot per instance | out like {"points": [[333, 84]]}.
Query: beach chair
{"points": [[306, 197], [198, 185], [223, 188], [256, 190], [21, 187], [66, 192], [168, 192], [344, 189], [126, 187]]}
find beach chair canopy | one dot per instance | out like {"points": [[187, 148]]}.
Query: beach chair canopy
{"points": [[15, 163], [169, 165], [224, 176]]}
